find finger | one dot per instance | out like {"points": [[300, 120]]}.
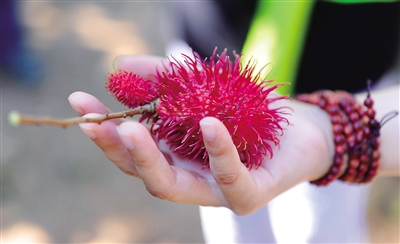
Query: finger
{"points": [[162, 180], [144, 66], [105, 136], [84, 103], [232, 177]]}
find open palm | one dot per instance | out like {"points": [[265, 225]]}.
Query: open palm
{"points": [[304, 154]]}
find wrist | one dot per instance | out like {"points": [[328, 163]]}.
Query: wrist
{"points": [[321, 146]]}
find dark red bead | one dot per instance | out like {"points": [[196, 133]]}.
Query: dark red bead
{"points": [[373, 123], [354, 162], [336, 119], [363, 147], [375, 143], [370, 113], [334, 170], [339, 139], [324, 182], [364, 158], [375, 154], [332, 110], [340, 149], [338, 160], [352, 145], [354, 117], [361, 112], [357, 125], [365, 120], [348, 110], [330, 177], [337, 129], [351, 171], [368, 133], [372, 172], [348, 130], [369, 102], [360, 136], [322, 103], [375, 164], [363, 167], [345, 120]]}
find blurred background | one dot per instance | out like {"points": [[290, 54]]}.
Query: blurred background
{"points": [[56, 186]]}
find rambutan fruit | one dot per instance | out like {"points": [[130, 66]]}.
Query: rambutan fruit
{"points": [[130, 89], [197, 88]]}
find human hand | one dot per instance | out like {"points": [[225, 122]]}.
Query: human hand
{"points": [[304, 154]]}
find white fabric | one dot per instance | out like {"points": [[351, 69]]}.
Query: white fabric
{"points": [[304, 214]]}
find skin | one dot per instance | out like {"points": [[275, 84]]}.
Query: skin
{"points": [[305, 152]]}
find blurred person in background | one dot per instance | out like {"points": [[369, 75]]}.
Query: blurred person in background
{"points": [[340, 45], [16, 58]]}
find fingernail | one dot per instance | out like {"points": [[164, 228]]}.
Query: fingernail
{"points": [[207, 129], [88, 130], [115, 63], [125, 138], [75, 105]]}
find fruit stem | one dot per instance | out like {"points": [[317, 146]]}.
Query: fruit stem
{"points": [[15, 118]]}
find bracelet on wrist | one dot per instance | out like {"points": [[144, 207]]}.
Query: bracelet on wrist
{"points": [[355, 133]]}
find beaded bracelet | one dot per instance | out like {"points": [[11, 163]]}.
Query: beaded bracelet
{"points": [[355, 134]]}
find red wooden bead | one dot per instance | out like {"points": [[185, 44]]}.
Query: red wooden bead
{"points": [[338, 160], [375, 164], [363, 147], [364, 158], [372, 172], [357, 125], [332, 110], [373, 123], [375, 143], [354, 117], [375, 154], [363, 167], [370, 113], [351, 171], [339, 139], [351, 142], [322, 103], [324, 182], [340, 149], [335, 170], [336, 119], [348, 130], [354, 162], [362, 112], [368, 133], [348, 110], [337, 129], [360, 136], [369, 102], [330, 177]]}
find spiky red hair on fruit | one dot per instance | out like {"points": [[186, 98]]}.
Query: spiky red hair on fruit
{"points": [[217, 87]]}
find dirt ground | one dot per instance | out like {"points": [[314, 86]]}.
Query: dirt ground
{"points": [[56, 186]]}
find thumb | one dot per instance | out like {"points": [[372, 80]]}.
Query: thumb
{"points": [[232, 177], [225, 163]]}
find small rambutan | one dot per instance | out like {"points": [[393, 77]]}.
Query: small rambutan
{"points": [[130, 89], [197, 88]]}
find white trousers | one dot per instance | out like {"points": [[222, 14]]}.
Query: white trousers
{"points": [[304, 214]]}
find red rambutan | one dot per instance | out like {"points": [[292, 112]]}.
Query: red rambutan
{"points": [[197, 88], [130, 89]]}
